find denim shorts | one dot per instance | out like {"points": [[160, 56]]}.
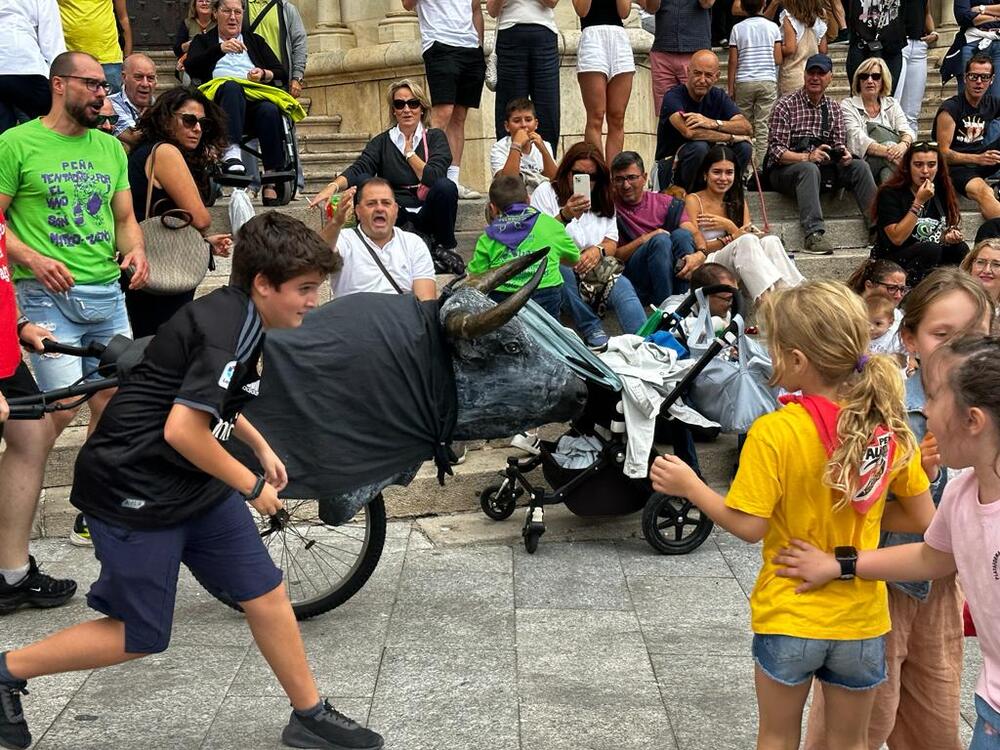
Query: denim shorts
{"points": [[987, 733], [139, 567], [854, 665], [85, 314]]}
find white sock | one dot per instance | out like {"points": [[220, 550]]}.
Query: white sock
{"points": [[16, 575], [232, 152], [453, 173]]}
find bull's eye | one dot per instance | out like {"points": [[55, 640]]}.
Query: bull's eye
{"points": [[512, 347]]}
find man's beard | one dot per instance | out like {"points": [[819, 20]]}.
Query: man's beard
{"points": [[78, 111]]}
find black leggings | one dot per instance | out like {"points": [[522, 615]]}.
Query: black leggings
{"points": [[920, 258]]}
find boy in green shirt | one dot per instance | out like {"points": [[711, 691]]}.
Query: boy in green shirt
{"points": [[517, 229]]}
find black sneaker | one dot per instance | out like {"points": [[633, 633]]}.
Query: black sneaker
{"points": [[14, 732], [35, 590], [329, 730]]}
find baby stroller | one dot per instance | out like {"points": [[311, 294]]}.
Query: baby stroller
{"points": [[671, 525]]}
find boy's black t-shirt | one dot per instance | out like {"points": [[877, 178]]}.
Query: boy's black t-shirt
{"points": [[207, 357]]}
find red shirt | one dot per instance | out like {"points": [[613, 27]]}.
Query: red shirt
{"points": [[10, 350]]}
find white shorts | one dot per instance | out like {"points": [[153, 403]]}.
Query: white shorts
{"points": [[605, 49]]}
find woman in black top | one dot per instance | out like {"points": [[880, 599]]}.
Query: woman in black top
{"points": [[414, 158], [605, 67], [196, 21], [190, 131], [917, 217]]}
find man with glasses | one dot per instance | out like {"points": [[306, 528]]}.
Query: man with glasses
{"points": [[967, 130], [695, 116], [806, 154], [108, 118], [136, 96], [654, 232]]}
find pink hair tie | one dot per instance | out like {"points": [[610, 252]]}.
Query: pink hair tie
{"points": [[862, 361]]}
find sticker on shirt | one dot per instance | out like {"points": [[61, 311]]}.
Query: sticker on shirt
{"points": [[227, 374], [874, 470]]}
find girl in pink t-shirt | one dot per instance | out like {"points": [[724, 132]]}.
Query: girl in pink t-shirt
{"points": [[962, 385]]}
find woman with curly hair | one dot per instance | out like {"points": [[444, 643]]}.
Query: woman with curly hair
{"points": [[188, 133]]}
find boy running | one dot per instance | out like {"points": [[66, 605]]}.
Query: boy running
{"points": [[158, 489]]}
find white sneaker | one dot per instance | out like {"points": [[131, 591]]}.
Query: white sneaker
{"points": [[467, 194], [527, 442]]}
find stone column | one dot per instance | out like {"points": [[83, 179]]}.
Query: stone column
{"points": [[330, 34], [943, 12], [399, 26]]}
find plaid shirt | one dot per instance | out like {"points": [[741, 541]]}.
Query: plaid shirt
{"points": [[795, 117]]}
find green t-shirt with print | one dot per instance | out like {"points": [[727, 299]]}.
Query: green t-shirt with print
{"points": [[547, 232], [61, 189]]}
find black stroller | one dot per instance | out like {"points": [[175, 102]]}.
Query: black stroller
{"points": [[672, 525]]}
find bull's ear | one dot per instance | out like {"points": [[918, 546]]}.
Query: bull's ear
{"points": [[488, 281], [463, 324]]}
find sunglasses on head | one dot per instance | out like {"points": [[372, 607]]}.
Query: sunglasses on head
{"points": [[924, 146], [110, 119], [410, 103], [875, 76], [190, 120]]}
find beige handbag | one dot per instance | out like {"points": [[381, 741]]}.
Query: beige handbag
{"points": [[178, 256]]}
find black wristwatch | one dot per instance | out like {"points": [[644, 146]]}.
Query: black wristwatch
{"points": [[848, 559]]}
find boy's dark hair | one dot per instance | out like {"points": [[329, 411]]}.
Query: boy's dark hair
{"points": [[519, 105], [371, 182], [753, 7], [506, 190], [626, 159], [710, 274], [281, 248], [980, 58]]}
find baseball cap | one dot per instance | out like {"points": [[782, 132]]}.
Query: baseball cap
{"points": [[821, 61]]}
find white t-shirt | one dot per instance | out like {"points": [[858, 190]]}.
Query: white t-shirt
{"points": [[405, 256], [970, 531], [527, 11], [819, 28], [31, 36], [235, 64], [531, 161], [754, 40], [590, 229], [448, 22]]}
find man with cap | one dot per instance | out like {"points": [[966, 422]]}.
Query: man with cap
{"points": [[806, 153], [696, 115]]}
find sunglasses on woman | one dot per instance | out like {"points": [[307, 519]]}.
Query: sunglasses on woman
{"points": [[872, 76], [189, 120], [408, 103]]}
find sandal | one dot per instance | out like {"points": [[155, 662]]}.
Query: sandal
{"points": [[269, 196]]}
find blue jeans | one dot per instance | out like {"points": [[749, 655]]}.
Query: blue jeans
{"points": [[993, 51], [623, 300], [987, 716], [549, 299], [113, 75], [853, 664], [85, 314], [651, 267]]}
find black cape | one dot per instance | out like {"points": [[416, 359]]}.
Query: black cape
{"points": [[362, 391]]}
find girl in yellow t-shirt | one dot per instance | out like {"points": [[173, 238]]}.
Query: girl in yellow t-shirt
{"points": [[818, 469]]}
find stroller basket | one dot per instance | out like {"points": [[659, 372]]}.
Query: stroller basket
{"points": [[606, 491]]}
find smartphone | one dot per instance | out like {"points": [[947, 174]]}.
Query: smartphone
{"points": [[581, 185]]}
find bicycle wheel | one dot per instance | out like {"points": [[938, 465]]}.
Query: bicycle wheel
{"points": [[323, 565]]}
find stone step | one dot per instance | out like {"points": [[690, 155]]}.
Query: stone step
{"points": [[320, 142]]}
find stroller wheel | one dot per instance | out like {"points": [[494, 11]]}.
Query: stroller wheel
{"points": [[673, 525], [497, 500], [531, 541]]}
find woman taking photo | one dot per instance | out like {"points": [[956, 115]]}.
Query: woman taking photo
{"points": [[983, 262], [605, 67], [414, 158], [196, 21], [876, 125], [188, 134], [717, 206], [591, 224], [916, 215]]}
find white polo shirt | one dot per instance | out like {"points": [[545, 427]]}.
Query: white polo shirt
{"points": [[405, 256]]}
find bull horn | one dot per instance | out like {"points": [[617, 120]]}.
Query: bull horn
{"points": [[470, 325], [487, 281]]}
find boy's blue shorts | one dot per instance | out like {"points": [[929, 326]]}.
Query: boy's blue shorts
{"points": [[139, 568]]}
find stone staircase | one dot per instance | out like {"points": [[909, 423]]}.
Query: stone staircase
{"points": [[326, 151]]}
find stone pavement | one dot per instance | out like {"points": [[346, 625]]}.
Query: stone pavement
{"points": [[462, 643]]}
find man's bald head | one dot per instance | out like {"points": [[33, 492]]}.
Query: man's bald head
{"points": [[139, 79], [69, 64], [703, 72]]}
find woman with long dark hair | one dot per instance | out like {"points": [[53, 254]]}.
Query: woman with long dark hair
{"points": [[916, 215], [590, 222], [190, 132], [717, 206]]}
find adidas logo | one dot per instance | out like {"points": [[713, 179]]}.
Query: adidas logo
{"points": [[253, 388]]}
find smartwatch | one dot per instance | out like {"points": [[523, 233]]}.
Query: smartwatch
{"points": [[258, 487], [848, 559]]}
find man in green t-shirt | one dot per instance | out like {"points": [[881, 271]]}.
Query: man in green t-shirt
{"points": [[518, 229], [64, 188]]}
